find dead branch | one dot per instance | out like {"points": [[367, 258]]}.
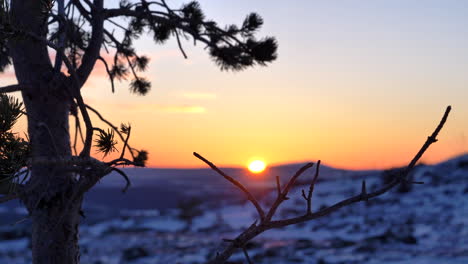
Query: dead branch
{"points": [[254, 230]]}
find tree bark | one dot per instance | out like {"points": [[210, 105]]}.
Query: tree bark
{"points": [[55, 217], [49, 192]]}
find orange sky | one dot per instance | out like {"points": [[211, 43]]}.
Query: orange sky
{"points": [[356, 85]]}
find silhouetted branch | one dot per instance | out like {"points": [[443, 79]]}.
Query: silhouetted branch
{"points": [[77, 130], [171, 12], [246, 254], [232, 47], [62, 35], [90, 169], [108, 73], [278, 185], [97, 36], [124, 175], [126, 142], [254, 230], [364, 191], [11, 88], [250, 197], [431, 139], [181, 48]]}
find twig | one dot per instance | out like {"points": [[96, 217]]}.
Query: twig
{"points": [[431, 139], [278, 185], [311, 188], [181, 48], [75, 138], [126, 142], [250, 197], [108, 73], [364, 191], [246, 254], [127, 180]]}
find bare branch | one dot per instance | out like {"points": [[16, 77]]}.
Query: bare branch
{"points": [[361, 197], [431, 139], [267, 224], [250, 197]]}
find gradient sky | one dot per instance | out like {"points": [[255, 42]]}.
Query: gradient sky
{"points": [[357, 84]]}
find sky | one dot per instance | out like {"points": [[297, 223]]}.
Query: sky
{"points": [[357, 84]]}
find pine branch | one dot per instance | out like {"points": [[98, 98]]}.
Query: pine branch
{"points": [[232, 47], [116, 129]]}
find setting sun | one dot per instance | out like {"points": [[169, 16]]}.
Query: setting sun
{"points": [[257, 166]]}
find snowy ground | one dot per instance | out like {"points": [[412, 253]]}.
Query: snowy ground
{"points": [[425, 226]]}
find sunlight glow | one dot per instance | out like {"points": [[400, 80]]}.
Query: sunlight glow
{"points": [[257, 166]]}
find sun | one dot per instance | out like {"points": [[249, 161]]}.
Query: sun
{"points": [[257, 166]]}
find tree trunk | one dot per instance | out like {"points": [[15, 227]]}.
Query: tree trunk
{"points": [[54, 212], [48, 195]]}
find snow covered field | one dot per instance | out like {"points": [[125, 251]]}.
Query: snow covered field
{"points": [[424, 226]]}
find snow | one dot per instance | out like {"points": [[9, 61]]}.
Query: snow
{"points": [[427, 225], [14, 246]]}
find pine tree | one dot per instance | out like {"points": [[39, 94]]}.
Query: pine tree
{"points": [[58, 175]]}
